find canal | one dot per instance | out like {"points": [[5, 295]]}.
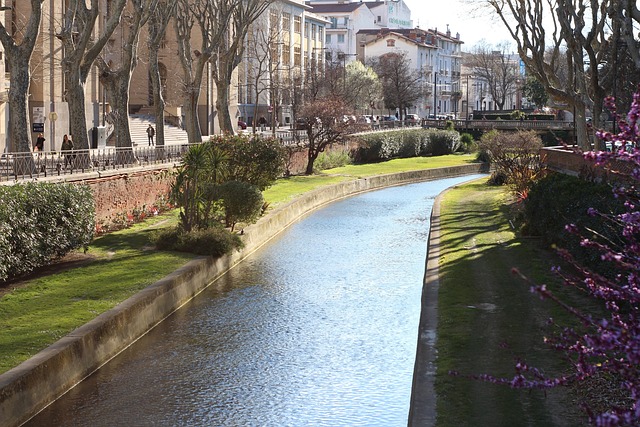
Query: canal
{"points": [[318, 328]]}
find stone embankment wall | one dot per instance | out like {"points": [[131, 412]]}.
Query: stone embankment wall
{"points": [[34, 384]]}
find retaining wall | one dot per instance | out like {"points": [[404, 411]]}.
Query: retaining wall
{"points": [[37, 382]]}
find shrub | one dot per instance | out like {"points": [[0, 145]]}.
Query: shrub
{"points": [[466, 139], [242, 202], [213, 241], [332, 159], [42, 222], [516, 154], [442, 142], [256, 160]]}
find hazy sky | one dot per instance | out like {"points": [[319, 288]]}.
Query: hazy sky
{"points": [[473, 26]]}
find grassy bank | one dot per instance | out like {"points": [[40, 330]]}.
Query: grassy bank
{"points": [[37, 311], [487, 318]]}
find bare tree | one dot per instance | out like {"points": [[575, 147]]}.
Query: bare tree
{"points": [[81, 49], [495, 67], [19, 49], [628, 14], [157, 26], [229, 53], [117, 76], [212, 19], [543, 30], [399, 80], [325, 125], [263, 60]]}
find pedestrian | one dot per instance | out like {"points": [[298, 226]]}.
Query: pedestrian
{"points": [[151, 133], [262, 122], [67, 148], [39, 146]]}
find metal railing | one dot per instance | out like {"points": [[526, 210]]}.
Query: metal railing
{"points": [[20, 166], [502, 124]]}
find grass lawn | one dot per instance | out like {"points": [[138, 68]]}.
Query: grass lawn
{"points": [[37, 311], [487, 317], [287, 189], [41, 310]]}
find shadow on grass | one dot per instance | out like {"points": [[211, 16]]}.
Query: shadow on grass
{"points": [[488, 319]]}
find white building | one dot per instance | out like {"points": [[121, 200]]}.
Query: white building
{"points": [[350, 16], [436, 56]]}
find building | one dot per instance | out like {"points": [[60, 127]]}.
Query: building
{"points": [[348, 17], [436, 56], [284, 45]]}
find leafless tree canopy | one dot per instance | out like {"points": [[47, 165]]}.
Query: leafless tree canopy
{"points": [[578, 32], [493, 65], [399, 80]]}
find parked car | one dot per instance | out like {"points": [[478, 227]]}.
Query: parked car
{"points": [[241, 124], [389, 118], [412, 118]]}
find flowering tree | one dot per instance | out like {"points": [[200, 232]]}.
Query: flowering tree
{"points": [[607, 345]]}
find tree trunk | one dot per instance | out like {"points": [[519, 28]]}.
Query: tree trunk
{"points": [[20, 140], [158, 98], [19, 135], [118, 95], [192, 123], [74, 95], [222, 106]]}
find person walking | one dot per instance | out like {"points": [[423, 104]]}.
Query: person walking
{"points": [[263, 123], [39, 146], [67, 147], [151, 133]]}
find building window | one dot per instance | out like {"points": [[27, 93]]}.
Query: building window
{"points": [[334, 22], [306, 30], [379, 18], [297, 24], [286, 21], [314, 32], [297, 56], [286, 57], [328, 39], [340, 38]]}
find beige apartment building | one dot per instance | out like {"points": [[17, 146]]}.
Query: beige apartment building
{"points": [[301, 36]]}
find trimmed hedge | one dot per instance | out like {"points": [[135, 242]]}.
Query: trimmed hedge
{"points": [[407, 143], [42, 222]]}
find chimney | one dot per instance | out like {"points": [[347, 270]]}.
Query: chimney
{"points": [[448, 31]]}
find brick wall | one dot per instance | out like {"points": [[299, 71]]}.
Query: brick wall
{"points": [[117, 195]]}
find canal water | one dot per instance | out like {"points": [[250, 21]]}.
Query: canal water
{"points": [[318, 328]]}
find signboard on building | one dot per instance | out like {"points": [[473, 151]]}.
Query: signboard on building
{"points": [[38, 127]]}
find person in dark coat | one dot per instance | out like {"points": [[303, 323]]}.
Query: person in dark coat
{"points": [[39, 146]]}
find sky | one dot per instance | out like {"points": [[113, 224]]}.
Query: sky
{"points": [[473, 26]]}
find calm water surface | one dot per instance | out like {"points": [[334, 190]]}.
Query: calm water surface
{"points": [[319, 328]]}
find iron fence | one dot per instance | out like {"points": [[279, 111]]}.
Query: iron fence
{"points": [[30, 165]]}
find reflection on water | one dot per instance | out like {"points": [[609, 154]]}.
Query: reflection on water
{"points": [[319, 328]]}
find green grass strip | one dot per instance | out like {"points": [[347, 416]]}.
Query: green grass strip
{"points": [[487, 318], [286, 189]]}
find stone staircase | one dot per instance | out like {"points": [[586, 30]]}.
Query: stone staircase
{"points": [[138, 124]]}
